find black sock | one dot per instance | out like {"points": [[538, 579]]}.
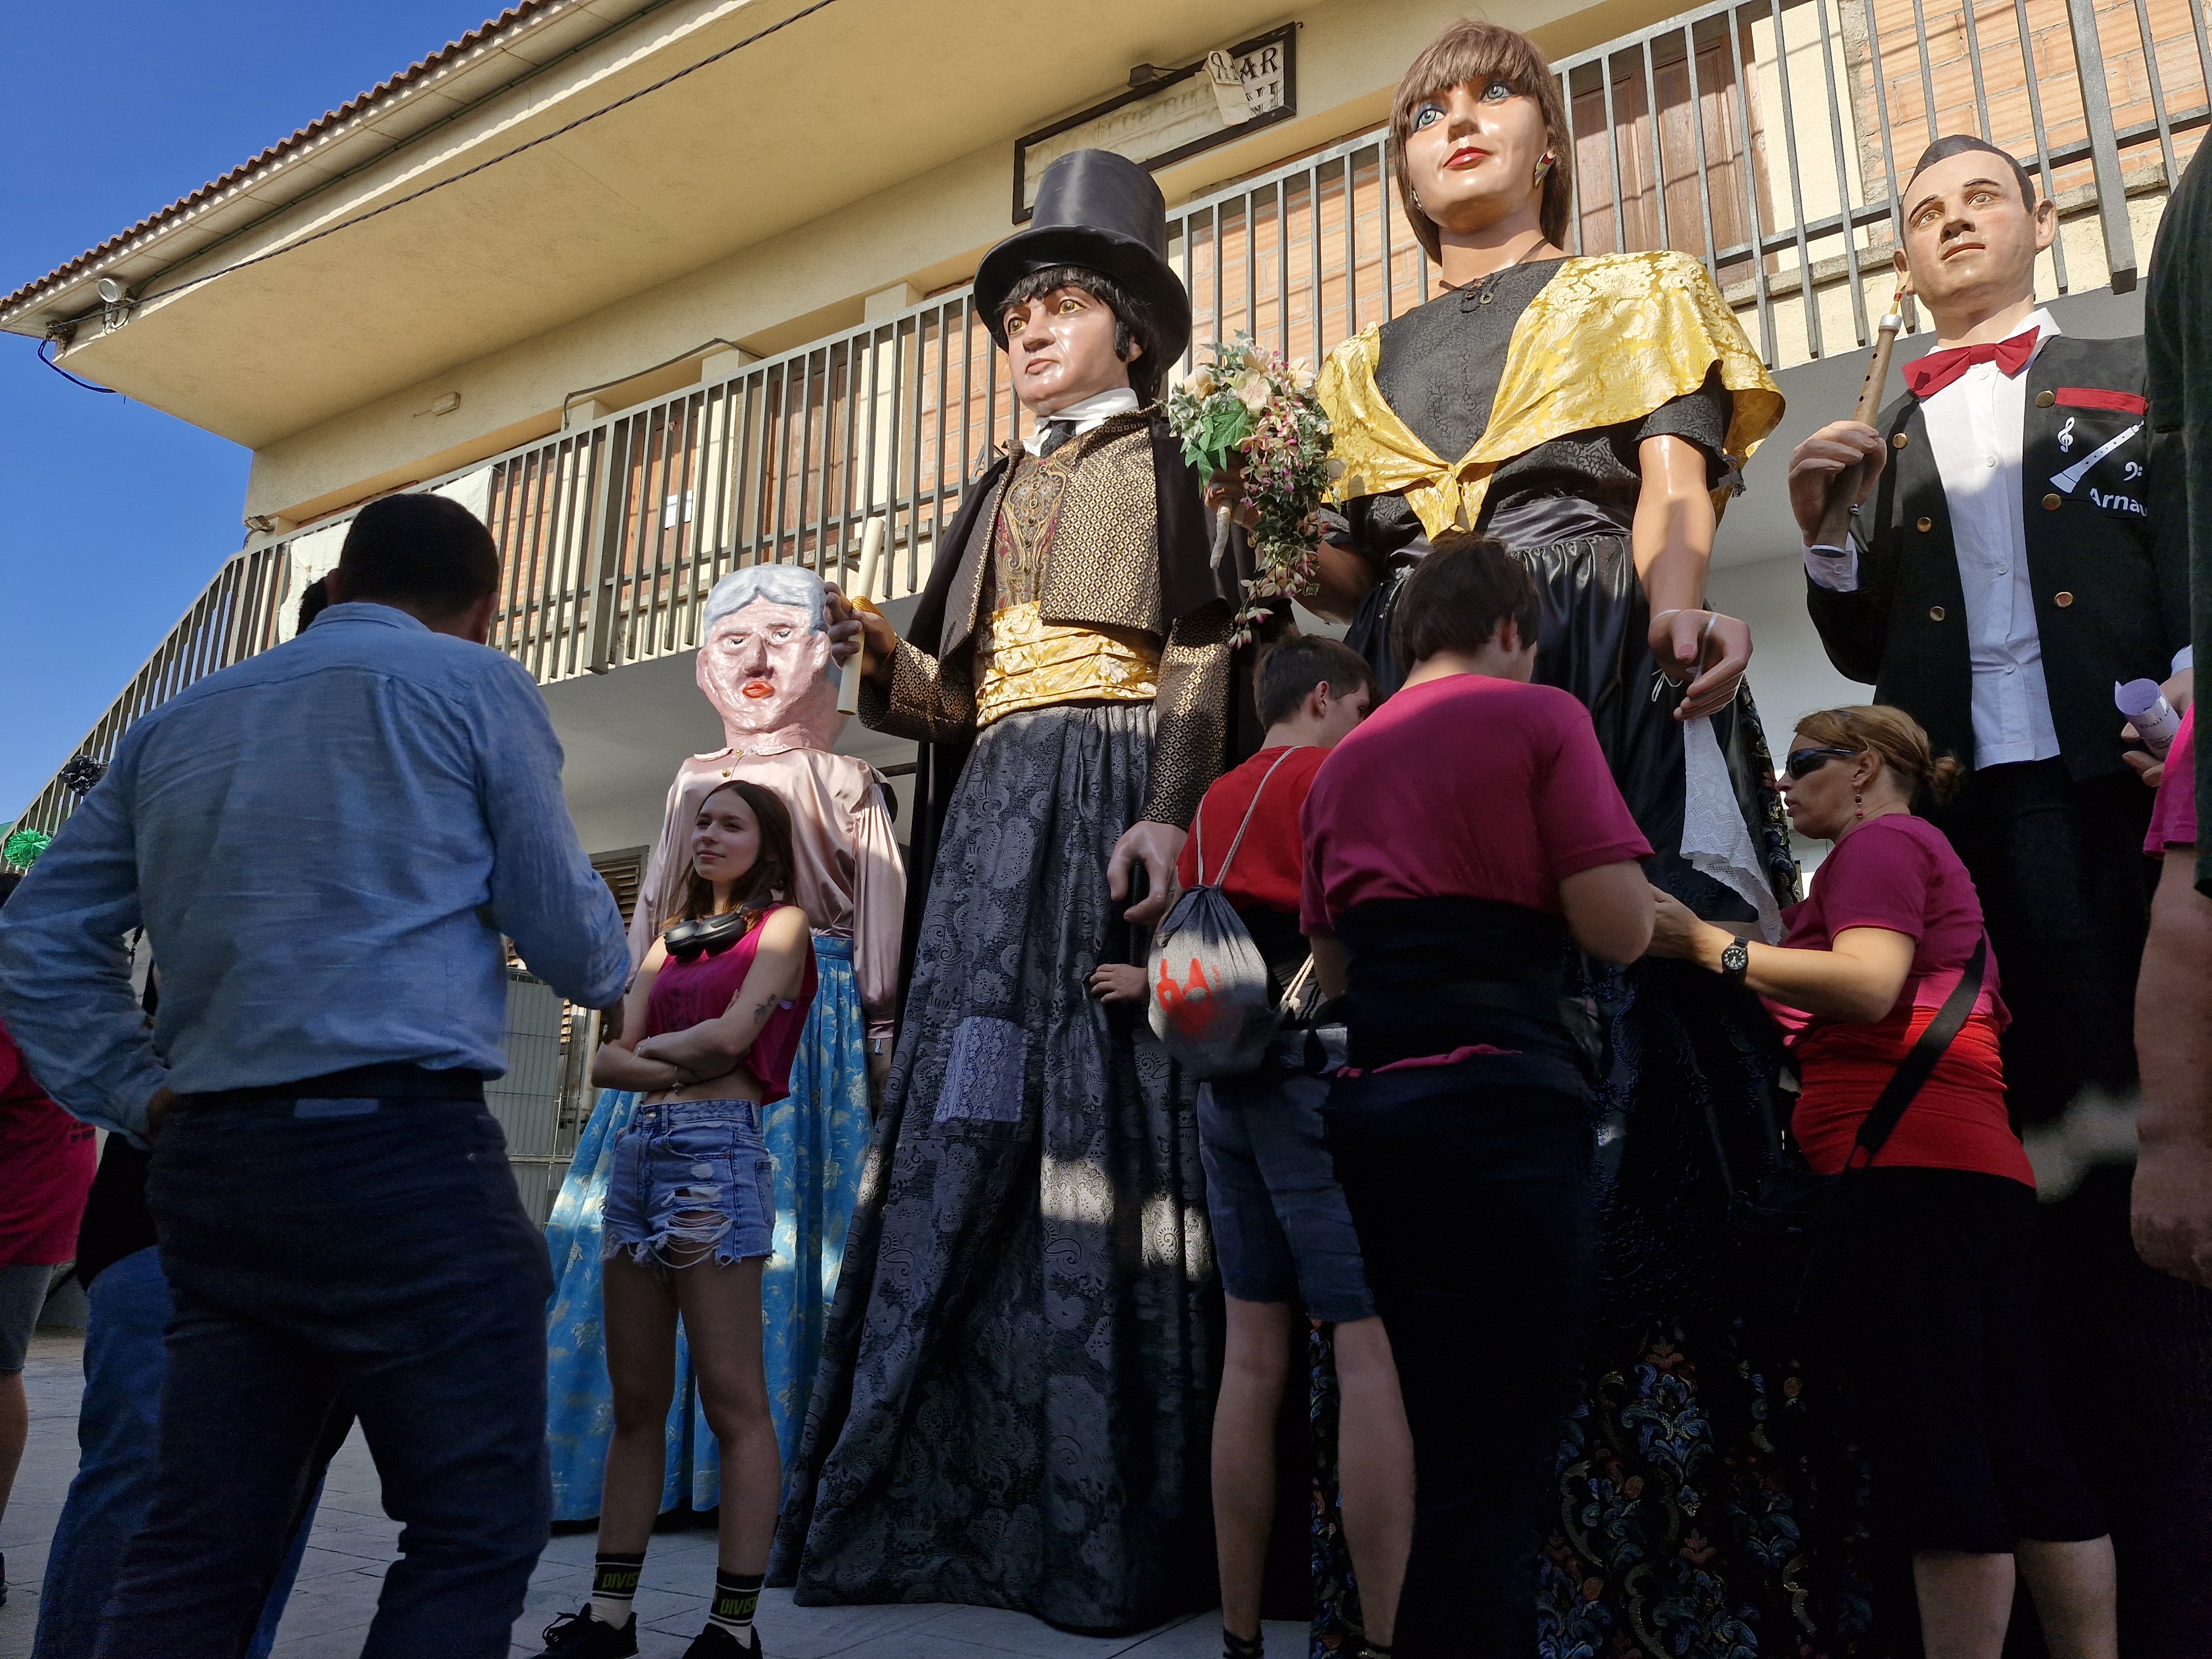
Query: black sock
{"points": [[614, 1586], [1234, 1646], [736, 1595]]}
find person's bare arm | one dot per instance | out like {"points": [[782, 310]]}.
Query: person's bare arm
{"points": [[1332, 962], [715, 1046], [2172, 1202], [1608, 912], [1672, 537], [1860, 979], [617, 1064]]}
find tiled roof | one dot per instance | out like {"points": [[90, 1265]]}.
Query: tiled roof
{"points": [[506, 22]]}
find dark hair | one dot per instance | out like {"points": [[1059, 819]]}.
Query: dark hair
{"points": [[1459, 595], [1893, 736], [422, 550], [1468, 51], [1134, 319], [773, 872], [1290, 668], [1960, 143], [314, 599]]}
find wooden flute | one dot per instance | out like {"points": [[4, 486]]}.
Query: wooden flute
{"points": [[1836, 519]]}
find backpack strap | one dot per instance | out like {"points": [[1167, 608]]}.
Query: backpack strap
{"points": [[1881, 1118], [1222, 874]]}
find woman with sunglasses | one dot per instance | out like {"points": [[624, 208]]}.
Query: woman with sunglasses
{"points": [[1932, 1309], [710, 1026]]}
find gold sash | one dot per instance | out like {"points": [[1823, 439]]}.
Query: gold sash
{"points": [[1023, 662], [1608, 339]]}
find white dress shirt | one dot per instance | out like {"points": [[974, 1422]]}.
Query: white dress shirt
{"points": [[1089, 414], [1974, 431]]}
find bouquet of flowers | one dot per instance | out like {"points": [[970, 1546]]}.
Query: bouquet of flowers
{"points": [[1249, 405]]}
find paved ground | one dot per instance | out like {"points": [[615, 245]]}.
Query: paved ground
{"points": [[336, 1597]]}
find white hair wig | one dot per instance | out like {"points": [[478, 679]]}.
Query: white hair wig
{"points": [[779, 584]]}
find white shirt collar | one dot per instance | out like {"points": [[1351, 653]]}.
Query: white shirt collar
{"points": [[1088, 415]]}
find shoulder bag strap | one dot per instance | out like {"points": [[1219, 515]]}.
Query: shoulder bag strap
{"points": [[1881, 1120], [1222, 874]]}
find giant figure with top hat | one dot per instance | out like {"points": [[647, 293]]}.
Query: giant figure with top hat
{"points": [[1013, 1405]]}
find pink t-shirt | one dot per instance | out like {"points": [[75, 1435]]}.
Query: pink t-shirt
{"points": [[2173, 819], [688, 994], [1463, 788], [47, 1161], [1899, 873]]}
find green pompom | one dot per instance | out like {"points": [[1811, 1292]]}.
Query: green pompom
{"points": [[23, 847]]}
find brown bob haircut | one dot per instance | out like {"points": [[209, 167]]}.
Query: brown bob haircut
{"points": [[1893, 737], [1481, 53], [774, 873], [1460, 596]]}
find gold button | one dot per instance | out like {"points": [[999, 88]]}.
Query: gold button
{"points": [[1934, 613], [2050, 502], [1924, 524], [2062, 600], [1900, 440], [2045, 399]]}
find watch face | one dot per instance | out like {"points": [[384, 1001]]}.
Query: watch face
{"points": [[1736, 958]]}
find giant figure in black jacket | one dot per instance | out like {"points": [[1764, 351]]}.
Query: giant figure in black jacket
{"points": [[2019, 545]]}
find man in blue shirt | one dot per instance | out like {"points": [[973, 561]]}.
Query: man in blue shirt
{"points": [[325, 845]]}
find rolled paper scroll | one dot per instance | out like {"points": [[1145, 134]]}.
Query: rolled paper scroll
{"points": [[2149, 713], [872, 555]]}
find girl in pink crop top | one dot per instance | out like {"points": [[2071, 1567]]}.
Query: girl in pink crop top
{"points": [[711, 1024]]}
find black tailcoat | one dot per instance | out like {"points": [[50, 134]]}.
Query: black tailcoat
{"points": [[2107, 558]]}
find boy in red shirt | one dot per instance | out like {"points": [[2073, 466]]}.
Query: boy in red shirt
{"points": [[1283, 1236]]}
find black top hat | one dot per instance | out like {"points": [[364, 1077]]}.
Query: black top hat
{"points": [[1102, 212]]}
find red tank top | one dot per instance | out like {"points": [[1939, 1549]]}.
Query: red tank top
{"points": [[688, 994]]}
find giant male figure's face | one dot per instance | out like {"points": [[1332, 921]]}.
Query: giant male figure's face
{"points": [[764, 666]]}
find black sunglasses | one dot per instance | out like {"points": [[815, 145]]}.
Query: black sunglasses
{"points": [[1802, 761]]}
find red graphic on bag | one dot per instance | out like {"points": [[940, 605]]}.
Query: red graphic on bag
{"points": [[1184, 1003]]}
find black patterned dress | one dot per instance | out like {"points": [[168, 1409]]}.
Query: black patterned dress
{"points": [[1684, 1517]]}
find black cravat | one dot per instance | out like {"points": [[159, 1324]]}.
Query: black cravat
{"points": [[1055, 433]]}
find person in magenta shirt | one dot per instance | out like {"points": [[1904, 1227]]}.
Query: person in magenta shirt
{"points": [[1931, 1308], [710, 1026], [49, 1160], [2172, 1198], [1456, 844]]}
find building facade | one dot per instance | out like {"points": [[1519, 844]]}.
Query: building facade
{"points": [[664, 288]]}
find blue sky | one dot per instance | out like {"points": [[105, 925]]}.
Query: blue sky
{"points": [[112, 516]]}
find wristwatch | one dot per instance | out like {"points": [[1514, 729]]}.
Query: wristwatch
{"points": [[1735, 960]]}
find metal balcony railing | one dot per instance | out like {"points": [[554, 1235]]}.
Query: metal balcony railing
{"points": [[1769, 138]]}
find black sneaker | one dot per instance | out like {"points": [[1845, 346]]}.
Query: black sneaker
{"points": [[578, 1636], [716, 1643]]}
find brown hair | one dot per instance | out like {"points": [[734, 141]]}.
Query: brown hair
{"points": [[772, 873], [1468, 51], [1895, 738], [1290, 668], [1459, 595]]}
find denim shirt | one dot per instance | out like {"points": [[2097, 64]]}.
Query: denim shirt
{"points": [[323, 845]]}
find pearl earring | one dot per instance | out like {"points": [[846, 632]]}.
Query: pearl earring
{"points": [[1859, 801]]}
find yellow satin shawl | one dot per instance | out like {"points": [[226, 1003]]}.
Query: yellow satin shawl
{"points": [[1608, 339]]}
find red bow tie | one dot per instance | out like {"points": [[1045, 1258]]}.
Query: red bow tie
{"points": [[1939, 369]]}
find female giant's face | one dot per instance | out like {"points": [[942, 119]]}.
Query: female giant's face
{"points": [[1473, 154], [763, 665], [726, 837]]}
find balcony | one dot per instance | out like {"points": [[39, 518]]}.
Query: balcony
{"points": [[1769, 138]]}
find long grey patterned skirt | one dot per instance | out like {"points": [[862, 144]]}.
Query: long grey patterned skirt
{"points": [[1018, 1381]]}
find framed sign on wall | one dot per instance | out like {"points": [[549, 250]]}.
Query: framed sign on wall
{"points": [[1168, 114]]}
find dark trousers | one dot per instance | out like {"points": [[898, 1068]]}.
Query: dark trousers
{"points": [[1472, 1210], [2065, 890], [332, 1255]]}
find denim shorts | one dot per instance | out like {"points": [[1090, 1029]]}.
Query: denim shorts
{"points": [[1280, 1226], [691, 1178]]}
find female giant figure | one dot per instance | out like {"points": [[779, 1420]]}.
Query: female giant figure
{"points": [[1591, 413]]}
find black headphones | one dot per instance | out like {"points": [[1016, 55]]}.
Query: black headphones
{"points": [[712, 934]]}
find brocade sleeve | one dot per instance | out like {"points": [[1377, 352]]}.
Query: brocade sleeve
{"points": [[1190, 715], [929, 700]]}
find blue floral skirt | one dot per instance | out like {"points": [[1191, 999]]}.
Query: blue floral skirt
{"points": [[817, 1136]]}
